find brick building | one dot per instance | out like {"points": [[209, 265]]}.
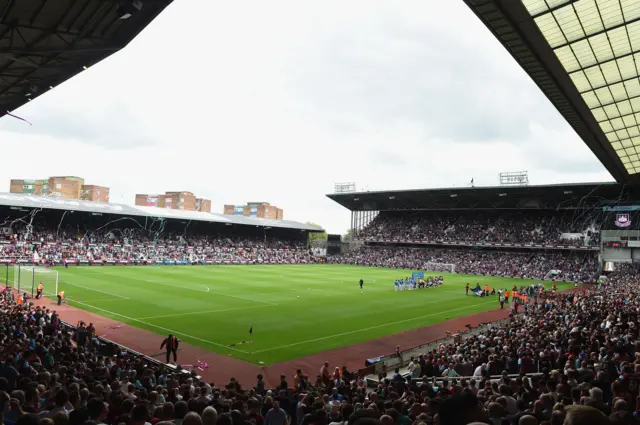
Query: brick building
{"points": [[203, 205], [255, 209], [175, 200], [90, 192], [66, 187]]}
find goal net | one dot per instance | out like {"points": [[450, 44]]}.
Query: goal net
{"points": [[27, 278], [440, 267]]}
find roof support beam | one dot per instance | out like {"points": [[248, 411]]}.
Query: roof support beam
{"points": [[602, 31], [50, 31], [44, 51], [554, 8], [36, 37], [513, 26]]}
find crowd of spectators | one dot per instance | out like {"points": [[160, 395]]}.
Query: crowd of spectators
{"points": [[564, 265], [482, 226], [584, 344], [131, 245], [625, 273]]}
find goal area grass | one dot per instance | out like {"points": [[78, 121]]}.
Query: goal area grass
{"points": [[294, 310]]}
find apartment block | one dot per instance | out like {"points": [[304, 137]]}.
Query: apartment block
{"points": [[90, 192], [178, 200], [255, 209], [203, 205], [28, 187], [66, 187]]}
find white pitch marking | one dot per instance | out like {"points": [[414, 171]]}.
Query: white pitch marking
{"points": [[190, 289], [363, 329], [99, 301], [201, 312], [162, 327], [96, 290]]}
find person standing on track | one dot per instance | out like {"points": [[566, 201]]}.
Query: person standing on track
{"points": [[361, 284], [171, 344]]}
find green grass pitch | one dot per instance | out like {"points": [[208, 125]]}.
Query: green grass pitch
{"points": [[295, 310]]}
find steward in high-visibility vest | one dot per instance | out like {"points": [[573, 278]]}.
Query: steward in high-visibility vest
{"points": [[39, 290], [60, 297]]}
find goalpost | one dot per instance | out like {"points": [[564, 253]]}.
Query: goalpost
{"points": [[440, 267], [26, 278]]}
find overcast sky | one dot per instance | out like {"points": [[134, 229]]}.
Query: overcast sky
{"points": [[276, 101]]}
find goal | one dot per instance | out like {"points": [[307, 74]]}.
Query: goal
{"points": [[27, 278], [440, 267]]}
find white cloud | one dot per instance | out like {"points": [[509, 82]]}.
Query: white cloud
{"points": [[276, 101]]}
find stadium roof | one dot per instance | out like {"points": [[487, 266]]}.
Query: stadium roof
{"points": [[45, 42], [581, 195], [30, 201], [584, 55]]}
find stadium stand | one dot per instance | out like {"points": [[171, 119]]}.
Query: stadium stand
{"points": [[536, 232], [45, 43], [575, 352], [570, 360], [519, 227], [567, 265], [53, 236]]}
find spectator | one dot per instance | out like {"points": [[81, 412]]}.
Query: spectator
{"points": [[519, 227], [560, 265], [582, 346], [276, 416]]}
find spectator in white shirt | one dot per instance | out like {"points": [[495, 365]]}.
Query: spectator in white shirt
{"points": [[480, 369], [450, 371]]}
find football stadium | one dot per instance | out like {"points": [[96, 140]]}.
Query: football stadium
{"points": [[515, 303]]}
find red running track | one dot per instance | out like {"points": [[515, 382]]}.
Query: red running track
{"points": [[222, 367]]}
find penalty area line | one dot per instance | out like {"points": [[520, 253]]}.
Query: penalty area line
{"points": [[189, 288], [101, 300], [173, 331], [365, 329], [203, 312], [96, 290]]}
